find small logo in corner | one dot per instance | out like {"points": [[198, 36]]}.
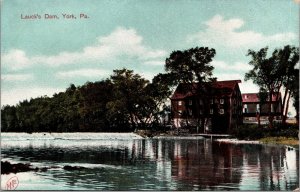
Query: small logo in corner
{"points": [[12, 183]]}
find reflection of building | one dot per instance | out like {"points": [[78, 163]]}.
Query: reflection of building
{"points": [[252, 106], [207, 165], [217, 106]]}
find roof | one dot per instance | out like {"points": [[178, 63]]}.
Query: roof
{"points": [[184, 90], [254, 97]]}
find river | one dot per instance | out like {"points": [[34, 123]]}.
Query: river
{"points": [[126, 161]]}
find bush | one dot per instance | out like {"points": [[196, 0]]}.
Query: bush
{"points": [[252, 131]]}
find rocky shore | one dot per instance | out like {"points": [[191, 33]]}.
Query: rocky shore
{"points": [[7, 168]]}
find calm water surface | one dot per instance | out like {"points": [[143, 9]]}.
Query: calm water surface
{"points": [[127, 162]]}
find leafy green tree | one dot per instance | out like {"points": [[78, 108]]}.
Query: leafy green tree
{"points": [[92, 109], [192, 65], [9, 119], [271, 73], [288, 57], [129, 99], [295, 93]]}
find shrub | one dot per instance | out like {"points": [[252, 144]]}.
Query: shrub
{"points": [[252, 131]]}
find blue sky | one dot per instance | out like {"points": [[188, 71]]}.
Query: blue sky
{"points": [[44, 56]]}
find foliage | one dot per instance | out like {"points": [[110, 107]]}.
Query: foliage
{"points": [[123, 102], [274, 72], [191, 65], [253, 132]]}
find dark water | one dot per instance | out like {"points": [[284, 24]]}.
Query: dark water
{"points": [[154, 164]]}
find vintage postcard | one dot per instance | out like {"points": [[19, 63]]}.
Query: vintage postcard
{"points": [[172, 95]]}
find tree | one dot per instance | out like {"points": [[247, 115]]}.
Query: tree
{"points": [[295, 93], [288, 57], [129, 100], [271, 73], [192, 66]]}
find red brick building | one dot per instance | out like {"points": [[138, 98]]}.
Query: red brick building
{"points": [[215, 107], [252, 106]]}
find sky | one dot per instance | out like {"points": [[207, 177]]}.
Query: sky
{"points": [[43, 56]]}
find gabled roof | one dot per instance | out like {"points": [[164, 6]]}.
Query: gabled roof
{"points": [[254, 97], [184, 90]]}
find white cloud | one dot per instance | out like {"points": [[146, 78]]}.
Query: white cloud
{"points": [[248, 87], [13, 96], [235, 71], [17, 77], [121, 42], [237, 66], [245, 86], [228, 76], [228, 33], [147, 75], [16, 59], [154, 63], [83, 73]]}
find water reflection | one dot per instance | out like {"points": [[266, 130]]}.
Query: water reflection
{"points": [[162, 164]]}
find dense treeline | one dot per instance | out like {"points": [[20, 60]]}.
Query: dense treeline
{"points": [[123, 102]]}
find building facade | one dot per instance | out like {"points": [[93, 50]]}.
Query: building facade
{"points": [[252, 107], [214, 107]]}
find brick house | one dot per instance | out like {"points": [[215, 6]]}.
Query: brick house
{"points": [[252, 106], [215, 107]]}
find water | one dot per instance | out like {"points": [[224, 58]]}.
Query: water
{"points": [[128, 162]]}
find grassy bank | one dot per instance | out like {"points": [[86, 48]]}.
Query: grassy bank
{"points": [[280, 140], [280, 134]]}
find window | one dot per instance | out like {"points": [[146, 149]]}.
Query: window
{"points": [[246, 96], [245, 109], [190, 112], [257, 108], [211, 111], [272, 108], [221, 111], [190, 102], [179, 103], [211, 101], [180, 112], [222, 101], [201, 102], [201, 112]]}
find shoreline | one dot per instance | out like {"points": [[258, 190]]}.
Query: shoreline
{"points": [[148, 134]]}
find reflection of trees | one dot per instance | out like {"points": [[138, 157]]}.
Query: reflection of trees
{"points": [[268, 165]]}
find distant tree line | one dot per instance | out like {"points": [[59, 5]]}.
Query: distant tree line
{"points": [[123, 102]]}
